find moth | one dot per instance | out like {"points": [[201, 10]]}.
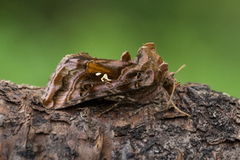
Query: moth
{"points": [[80, 77]]}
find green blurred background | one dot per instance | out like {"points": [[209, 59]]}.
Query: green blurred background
{"points": [[204, 35]]}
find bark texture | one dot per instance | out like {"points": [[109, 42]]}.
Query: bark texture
{"points": [[149, 131]]}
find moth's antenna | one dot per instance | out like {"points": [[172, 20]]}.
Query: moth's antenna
{"points": [[180, 68], [173, 90]]}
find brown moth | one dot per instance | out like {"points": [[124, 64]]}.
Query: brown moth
{"points": [[80, 77]]}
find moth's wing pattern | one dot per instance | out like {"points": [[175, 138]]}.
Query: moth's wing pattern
{"points": [[80, 77]]}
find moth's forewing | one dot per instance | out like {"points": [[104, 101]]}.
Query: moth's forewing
{"points": [[80, 77]]}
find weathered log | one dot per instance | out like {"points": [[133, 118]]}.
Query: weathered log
{"points": [[147, 131]]}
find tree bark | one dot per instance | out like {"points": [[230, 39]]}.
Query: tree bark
{"points": [[149, 131]]}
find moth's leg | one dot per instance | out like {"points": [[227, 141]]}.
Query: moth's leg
{"points": [[115, 105], [119, 99]]}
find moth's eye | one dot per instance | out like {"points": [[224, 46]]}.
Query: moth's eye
{"points": [[165, 83]]}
